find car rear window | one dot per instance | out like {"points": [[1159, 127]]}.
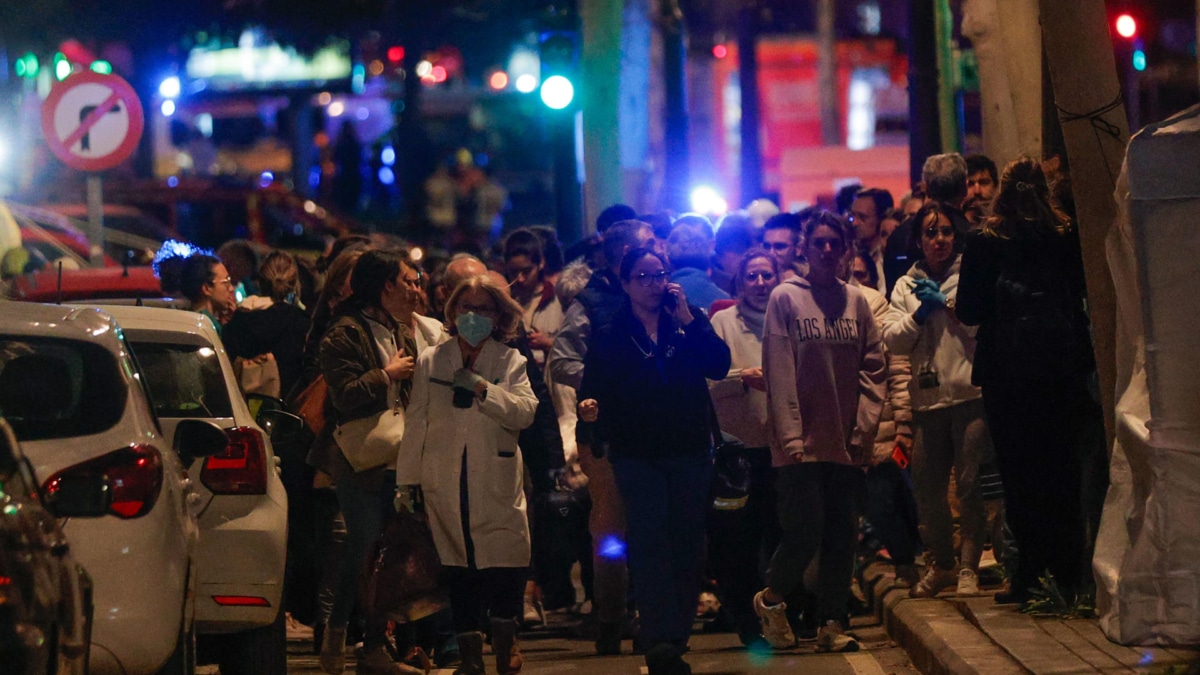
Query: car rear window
{"points": [[184, 380], [54, 388]]}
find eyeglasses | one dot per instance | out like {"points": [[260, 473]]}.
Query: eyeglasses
{"points": [[933, 232], [646, 280], [752, 277], [226, 280]]}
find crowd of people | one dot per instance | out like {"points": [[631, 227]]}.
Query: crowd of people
{"points": [[685, 408]]}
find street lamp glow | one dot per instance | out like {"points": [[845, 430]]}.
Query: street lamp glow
{"points": [[557, 92], [168, 108], [169, 87], [526, 83], [706, 200]]}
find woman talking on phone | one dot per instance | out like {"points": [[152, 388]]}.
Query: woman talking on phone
{"points": [[645, 386]]}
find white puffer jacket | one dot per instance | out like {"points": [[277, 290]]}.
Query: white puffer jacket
{"points": [[942, 345]]}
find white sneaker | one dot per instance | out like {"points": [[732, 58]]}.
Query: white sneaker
{"points": [[297, 631], [968, 582], [775, 627], [935, 581], [830, 638], [532, 614]]}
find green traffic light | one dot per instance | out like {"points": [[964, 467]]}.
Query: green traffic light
{"points": [[62, 67], [557, 92], [1139, 60], [102, 67], [27, 65]]}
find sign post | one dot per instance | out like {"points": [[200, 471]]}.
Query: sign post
{"points": [[93, 122]]}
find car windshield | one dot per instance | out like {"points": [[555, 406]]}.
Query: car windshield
{"points": [[54, 388], [184, 380]]}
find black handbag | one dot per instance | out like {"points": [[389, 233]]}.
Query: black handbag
{"points": [[732, 472]]}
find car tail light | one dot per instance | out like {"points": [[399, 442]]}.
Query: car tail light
{"points": [[240, 601], [241, 469], [134, 476]]}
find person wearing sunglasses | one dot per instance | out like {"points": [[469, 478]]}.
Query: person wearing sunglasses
{"points": [[644, 387], [741, 404], [950, 430]]}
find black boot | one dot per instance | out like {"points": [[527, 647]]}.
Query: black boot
{"points": [[505, 646], [470, 651], [609, 641], [665, 659]]}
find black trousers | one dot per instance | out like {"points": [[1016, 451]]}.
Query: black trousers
{"points": [[1041, 432]]}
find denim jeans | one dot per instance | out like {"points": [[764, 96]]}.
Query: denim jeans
{"points": [[670, 497], [363, 509]]}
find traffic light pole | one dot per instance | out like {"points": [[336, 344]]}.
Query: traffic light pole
{"points": [[568, 197]]}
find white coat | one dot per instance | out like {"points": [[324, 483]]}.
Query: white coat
{"points": [[438, 435]]}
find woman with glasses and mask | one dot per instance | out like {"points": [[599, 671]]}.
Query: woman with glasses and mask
{"points": [[825, 368], [741, 404], [950, 431], [645, 387], [471, 398]]}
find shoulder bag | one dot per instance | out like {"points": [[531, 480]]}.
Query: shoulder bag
{"points": [[372, 441]]}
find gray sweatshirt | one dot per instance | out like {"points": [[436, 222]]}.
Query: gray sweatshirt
{"points": [[826, 374]]}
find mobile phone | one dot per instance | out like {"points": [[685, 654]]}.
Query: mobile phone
{"points": [[669, 301]]}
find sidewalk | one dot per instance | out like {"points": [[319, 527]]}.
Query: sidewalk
{"points": [[975, 635]]}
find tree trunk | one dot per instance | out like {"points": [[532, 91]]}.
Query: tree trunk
{"points": [[827, 72], [1088, 96], [1009, 53]]}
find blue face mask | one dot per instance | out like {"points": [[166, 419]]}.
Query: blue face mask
{"points": [[473, 328]]}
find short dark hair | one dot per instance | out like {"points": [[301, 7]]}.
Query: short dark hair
{"points": [[552, 252], [845, 197], [735, 233], [659, 221], [375, 268], [882, 198], [523, 242], [977, 163], [620, 236], [935, 208], [785, 221], [613, 215], [872, 270], [197, 272], [631, 258], [695, 220]]}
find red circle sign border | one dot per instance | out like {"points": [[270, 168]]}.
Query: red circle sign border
{"points": [[127, 96]]}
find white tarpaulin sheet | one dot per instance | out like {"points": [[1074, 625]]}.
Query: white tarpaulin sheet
{"points": [[1147, 559]]}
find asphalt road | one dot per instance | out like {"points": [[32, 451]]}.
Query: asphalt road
{"points": [[556, 650]]}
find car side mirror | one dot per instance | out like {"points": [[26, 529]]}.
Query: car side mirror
{"points": [[260, 403], [79, 497], [198, 438], [280, 425]]}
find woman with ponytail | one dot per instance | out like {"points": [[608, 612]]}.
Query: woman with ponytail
{"points": [[1022, 283]]}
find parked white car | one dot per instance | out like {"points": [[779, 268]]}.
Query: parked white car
{"points": [[74, 397], [243, 516]]}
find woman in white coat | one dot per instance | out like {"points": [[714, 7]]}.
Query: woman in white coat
{"points": [[470, 398]]}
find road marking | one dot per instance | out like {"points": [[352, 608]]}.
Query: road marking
{"points": [[864, 664]]}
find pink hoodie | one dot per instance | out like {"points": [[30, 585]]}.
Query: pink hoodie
{"points": [[826, 374]]}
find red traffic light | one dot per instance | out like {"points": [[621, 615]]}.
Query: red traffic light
{"points": [[395, 54], [1126, 26]]}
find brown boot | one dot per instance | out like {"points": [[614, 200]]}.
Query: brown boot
{"points": [[504, 644], [470, 653]]}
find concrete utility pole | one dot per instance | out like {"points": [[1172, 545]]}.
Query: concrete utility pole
{"points": [[827, 72], [675, 112], [600, 99], [1079, 54], [751, 158], [1009, 54], [924, 133]]}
